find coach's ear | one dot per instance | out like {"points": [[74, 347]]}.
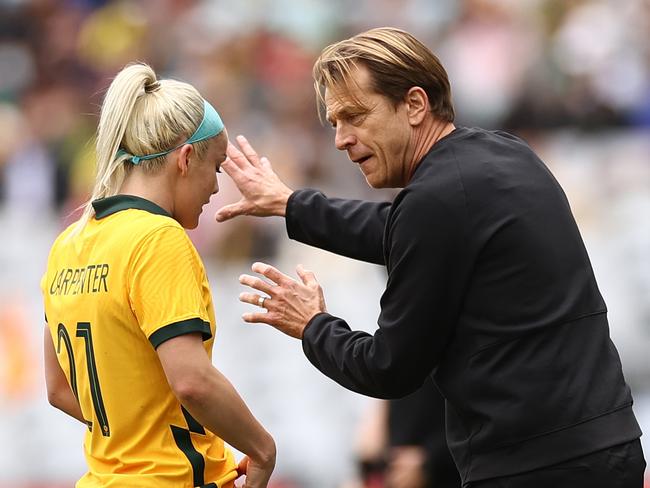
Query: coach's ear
{"points": [[417, 105], [183, 158]]}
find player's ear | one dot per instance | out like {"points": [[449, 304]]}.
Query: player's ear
{"points": [[183, 158]]}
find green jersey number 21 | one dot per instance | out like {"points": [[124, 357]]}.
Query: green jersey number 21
{"points": [[84, 332]]}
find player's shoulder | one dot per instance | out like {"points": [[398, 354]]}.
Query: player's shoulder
{"points": [[141, 231], [66, 233]]}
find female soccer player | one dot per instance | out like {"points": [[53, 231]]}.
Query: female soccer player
{"points": [[130, 320]]}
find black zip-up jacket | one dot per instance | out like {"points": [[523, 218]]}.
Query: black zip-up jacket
{"points": [[491, 291]]}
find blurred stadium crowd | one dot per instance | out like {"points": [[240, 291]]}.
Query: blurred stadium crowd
{"points": [[570, 76]]}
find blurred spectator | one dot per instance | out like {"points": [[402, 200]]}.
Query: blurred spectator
{"points": [[535, 64], [573, 77]]}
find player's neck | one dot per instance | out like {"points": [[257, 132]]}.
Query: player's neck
{"points": [[154, 188]]}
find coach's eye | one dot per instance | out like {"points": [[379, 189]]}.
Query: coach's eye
{"points": [[357, 119]]}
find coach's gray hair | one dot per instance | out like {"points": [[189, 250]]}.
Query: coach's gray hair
{"points": [[396, 61]]}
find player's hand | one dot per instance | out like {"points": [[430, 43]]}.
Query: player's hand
{"points": [[263, 194], [257, 475], [290, 304]]}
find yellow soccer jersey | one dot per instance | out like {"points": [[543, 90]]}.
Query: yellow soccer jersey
{"points": [[129, 281]]}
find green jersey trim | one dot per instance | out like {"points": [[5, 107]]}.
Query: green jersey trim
{"points": [[180, 328], [110, 205]]}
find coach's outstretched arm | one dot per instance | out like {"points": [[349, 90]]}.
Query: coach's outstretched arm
{"points": [[351, 228], [419, 306]]}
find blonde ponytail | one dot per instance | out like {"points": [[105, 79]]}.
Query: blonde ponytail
{"points": [[142, 115]]}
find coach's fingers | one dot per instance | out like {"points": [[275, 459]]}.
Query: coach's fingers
{"points": [[268, 318], [236, 156], [256, 283], [272, 273], [307, 277], [236, 173], [232, 210], [231, 168], [265, 163], [249, 152], [254, 299]]}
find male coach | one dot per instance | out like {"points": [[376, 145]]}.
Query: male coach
{"points": [[490, 289]]}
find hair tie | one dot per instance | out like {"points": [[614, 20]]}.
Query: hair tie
{"points": [[152, 87]]}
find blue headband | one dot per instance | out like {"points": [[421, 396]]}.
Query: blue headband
{"points": [[210, 126]]}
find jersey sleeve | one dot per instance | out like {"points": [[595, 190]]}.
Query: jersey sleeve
{"points": [[165, 287]]}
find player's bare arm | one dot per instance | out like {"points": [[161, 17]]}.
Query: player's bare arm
{"points": [[59, 393], [214, 402]]}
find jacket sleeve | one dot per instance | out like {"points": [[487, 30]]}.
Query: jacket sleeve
{"points": [[351, 228], [418, 308]]}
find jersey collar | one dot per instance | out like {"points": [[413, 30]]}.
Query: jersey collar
{"points": [[109, 205]]}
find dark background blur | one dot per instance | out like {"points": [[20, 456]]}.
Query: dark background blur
{"points": [[570, 76]]}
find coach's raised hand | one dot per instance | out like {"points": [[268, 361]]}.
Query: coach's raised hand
{"points": [[263, 193], [290, 304]]}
